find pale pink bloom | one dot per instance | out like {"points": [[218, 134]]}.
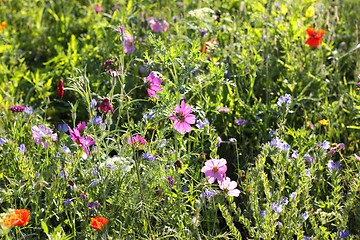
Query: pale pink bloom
{"points": [[137, 139], [182, 118], [129, 45], [215, 169], [152, 85], [357, 157], [43, 135], [157, 26], [229, 187]]}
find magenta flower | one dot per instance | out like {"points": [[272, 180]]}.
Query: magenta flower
{"points": [[157, 26], [152, 85], [43, 135], [215, 168], [182, 118], [85, 143], [17, 108], [229, 187], [137, 139], [98, 9], [129, 45], [105, 106]]}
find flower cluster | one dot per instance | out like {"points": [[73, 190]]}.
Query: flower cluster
{"points": [[43, 135], [284, 100], [216, 169], [17, 108]]}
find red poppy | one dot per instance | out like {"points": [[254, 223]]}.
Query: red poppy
{"points": [[314, 38], [208, 44], [98, 223], [18, 217], [60, 88]]}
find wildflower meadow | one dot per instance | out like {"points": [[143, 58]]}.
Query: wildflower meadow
{"points": [[207, 119]]}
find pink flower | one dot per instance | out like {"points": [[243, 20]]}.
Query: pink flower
{"points": [[129, 45], [85, 143], [215, 168], [137, 139], [157, 26], [152, 85], [97, 8], [182, 118], [105, 106], [43, 135], [229, 187]]}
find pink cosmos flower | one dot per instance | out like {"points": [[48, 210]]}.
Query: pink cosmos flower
{"points": [[229, 187], [98, 9], [215, 168], [129, 45], [182, 118], [43, 135], [105, 106], [137, 139], [157, 26], [151, 84], [85, 143]]}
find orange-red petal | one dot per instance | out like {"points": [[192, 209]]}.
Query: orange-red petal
{"points": [[320, 34], [311, 32], [98, 223]]}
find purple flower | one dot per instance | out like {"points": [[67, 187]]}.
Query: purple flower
{"points": [[63, 127], [201, 124], [97, 120], [203, 32], [275, 142], [285, 201], [325, 145], [83, 196], [150, 115], [22, 148], [63, 173], [277, 208], [344, 235], [295, 155], [73, 187], [333, 165], [271, 132], [158, 25], [293, 195], [170, 181], [128, 44], [308, 158], [67, 202], [148, 156], [94, 172], [43, 135], [223, 109], [17, 109], [93, 103], [305, 215], [277, 4], [28, 110], [240, 122], [219, 141], [284, 100], [37, 174], [208, 194], [284, 146], [93, 206], [65, 149], [3, 141], [185, 189], [307, 172], [105, 106], [137, 139], [263, 214], [94, 183]]}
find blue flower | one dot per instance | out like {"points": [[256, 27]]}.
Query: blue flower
{"points": [[65, 149], [285, 201], [37, 174], [307, 172], [219, 141], [67, 202], [263, 214], [293, 195], [3, 141], [271, 132], [284, 147], [63, 127], [28, 110], [93, 103], [333, 165], [22, 148], [284, 100], [97, 120], [209, 194], [203, 32], [277, 208], [325, 145], [240, 122], [344, 235], [201, 124], [295, 155], [148, 156], [305, 215], [94, 172]]}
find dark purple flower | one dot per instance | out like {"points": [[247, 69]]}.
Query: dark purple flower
{"points": [[240, 122], [63, 127], [178, 164], [185, 189], [203, 32], [171, 181], [17, 108], [67, 202]]}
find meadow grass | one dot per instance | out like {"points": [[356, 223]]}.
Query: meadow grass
{"points": [[179, 119]]}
